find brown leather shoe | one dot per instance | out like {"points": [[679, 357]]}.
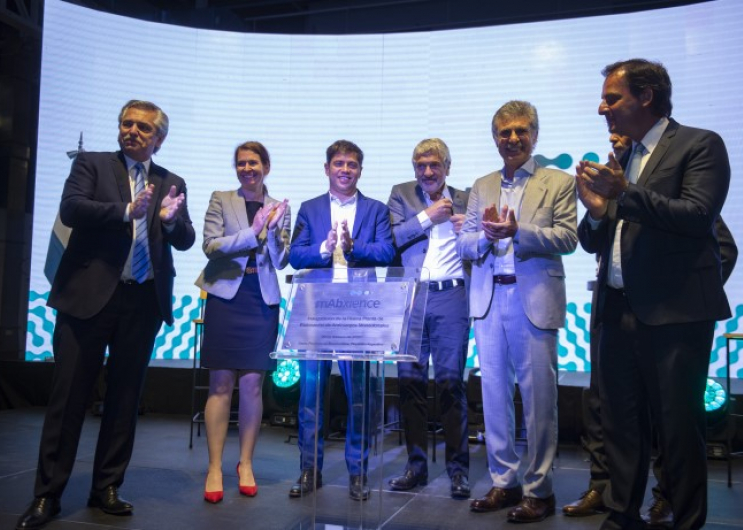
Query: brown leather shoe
{"points": [[591, 502], [497, 499], [659, 516], [532, 510]]}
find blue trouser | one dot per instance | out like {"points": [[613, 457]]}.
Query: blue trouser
{"points": [[314, 375]]}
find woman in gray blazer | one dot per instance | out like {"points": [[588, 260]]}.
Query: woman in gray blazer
{"points": [[246, 238]]}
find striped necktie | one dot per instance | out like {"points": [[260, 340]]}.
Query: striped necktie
{"points": [[140, 262]]}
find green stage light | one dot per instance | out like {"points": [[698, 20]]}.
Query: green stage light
{"points": [[286, 374], [714, 396], [715, 405], [285, 393]]}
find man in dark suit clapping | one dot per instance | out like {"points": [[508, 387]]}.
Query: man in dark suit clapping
{"points": [[112, 290], [651, 218]]}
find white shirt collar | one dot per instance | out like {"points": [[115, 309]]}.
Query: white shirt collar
{"points": [[527, 169], [130, 162], [652, 137], [347, 202]]}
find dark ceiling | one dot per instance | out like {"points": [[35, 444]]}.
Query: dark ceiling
{"points": [[363, 16]]}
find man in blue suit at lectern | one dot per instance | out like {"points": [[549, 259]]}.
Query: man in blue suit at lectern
{"points": [[339, 229]]}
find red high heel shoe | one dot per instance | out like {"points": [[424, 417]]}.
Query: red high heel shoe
{"points": [[248, 491], [213, 497]]}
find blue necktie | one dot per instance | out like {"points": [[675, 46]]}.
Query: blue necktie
{"points": [[635, 163], [140, 263]]}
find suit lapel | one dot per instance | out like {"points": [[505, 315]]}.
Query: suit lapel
{"points": [[492, 193], [534, 192], [362, 206], [457, 199], [237, 204], [118, 164], [156, 176], [659, 152], [418, 201]]}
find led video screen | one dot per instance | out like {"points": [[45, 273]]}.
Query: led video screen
{"points": [[299, 93]]}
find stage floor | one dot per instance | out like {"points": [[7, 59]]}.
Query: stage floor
{"points": [[165, 483]]}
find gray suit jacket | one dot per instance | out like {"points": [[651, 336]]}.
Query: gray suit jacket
{"points": [[228, 239], [411, 241], [547, 230]]}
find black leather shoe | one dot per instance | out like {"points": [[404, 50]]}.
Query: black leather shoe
{"points": [[497, 499], [532, 510], [40, 512], [659, 515], [591, 502], [460, 487], [358, 489], [306, 483], [109, 502], [408, 481]]}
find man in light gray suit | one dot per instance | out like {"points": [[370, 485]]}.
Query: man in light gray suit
{"points": [[426, 217], [519, 222]]}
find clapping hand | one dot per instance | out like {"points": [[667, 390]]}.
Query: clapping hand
{"points": [[261, 218], [345, 237], [332, 239], [171, 204], [598, 183], [138, 208], [277, 213], [499, 225]]}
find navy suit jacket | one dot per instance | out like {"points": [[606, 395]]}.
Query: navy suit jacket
{"points": [[95, 197], [671, 263], [372, 236]]}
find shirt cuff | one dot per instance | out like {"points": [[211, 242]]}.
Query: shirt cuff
{"points": [[324, 254], [483, 243], [593, 223], [424, 220]]}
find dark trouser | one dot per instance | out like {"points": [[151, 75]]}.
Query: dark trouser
{"points": [[593, 437], [653, 375], [128, 325], [445, 338]]}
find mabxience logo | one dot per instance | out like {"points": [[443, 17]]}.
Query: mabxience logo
{"points": [[338, 303], [564, 161]]}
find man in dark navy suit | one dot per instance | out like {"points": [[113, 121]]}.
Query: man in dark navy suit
{"points": [[113, 289], [651, 218], [659, 514]]}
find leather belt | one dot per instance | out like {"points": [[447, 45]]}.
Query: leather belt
{"points": [[504, 279], [251, 270], [444, 285]]}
